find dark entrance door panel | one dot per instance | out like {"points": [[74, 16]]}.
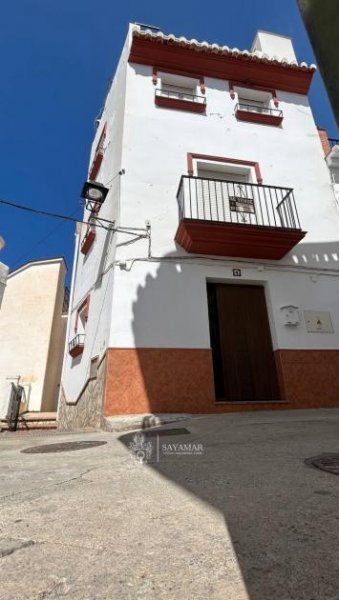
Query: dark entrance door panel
{"points": [[243, 360]]}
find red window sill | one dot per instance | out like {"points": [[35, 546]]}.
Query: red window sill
{"points": [[177, 104], [88, 241], [96, 164], [255, 117]]}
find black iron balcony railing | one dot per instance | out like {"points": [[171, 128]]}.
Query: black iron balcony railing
{"points": [[237, 202], [76, 345], [256, 108], [333, 142], [180, 96]]}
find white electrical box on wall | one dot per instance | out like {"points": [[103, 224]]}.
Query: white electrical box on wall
{"points": [[318, 321], [290, 315]]}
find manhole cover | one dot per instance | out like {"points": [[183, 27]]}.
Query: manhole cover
{"points": [[165, 432], [62, 447], [325, 462]]}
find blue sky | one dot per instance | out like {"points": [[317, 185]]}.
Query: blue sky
{"points": [[57, 59]]}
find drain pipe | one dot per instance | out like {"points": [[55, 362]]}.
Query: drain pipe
{"points": [[73, 279]]}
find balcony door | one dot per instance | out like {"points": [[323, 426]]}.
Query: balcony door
{"points": [[223, 175], [243, 360], [224, 194]]}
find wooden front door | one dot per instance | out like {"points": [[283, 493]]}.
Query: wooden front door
{"points": [[243, 360]]}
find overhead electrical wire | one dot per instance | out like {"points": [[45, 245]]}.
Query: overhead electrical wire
{"points": [[99, 223], [38, 211], [47, 236]]}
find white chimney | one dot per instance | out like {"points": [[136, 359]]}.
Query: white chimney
{"points": [[273, 44]]}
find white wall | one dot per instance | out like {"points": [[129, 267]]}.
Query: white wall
{"points": [[164, 305], [159, 306], [157, 140], [89, 273]]}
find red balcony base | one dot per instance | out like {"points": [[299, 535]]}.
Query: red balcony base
{"points": [[76, 350], [235, 239], [176, 103], [256, 117]]}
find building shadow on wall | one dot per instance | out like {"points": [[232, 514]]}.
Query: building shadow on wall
{"points": [[271, 516], [320, 256]]}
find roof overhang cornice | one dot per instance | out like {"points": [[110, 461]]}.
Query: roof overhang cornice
{"points": [[179, 55]]}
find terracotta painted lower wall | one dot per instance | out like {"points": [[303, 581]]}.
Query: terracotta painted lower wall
{"points": [[309, 378], [162, 380]]}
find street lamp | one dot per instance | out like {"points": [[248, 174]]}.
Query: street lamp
{"points": [[94, 192]]}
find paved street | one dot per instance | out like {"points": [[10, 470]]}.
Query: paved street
{"points": [[227, 511]]}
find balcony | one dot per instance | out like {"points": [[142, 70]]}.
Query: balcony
{"points": [[228, 218], [180, 100], [332, 157], [254, 113], [76, 345]]}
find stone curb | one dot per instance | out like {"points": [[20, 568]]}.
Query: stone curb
{"points": [[144, 421]]}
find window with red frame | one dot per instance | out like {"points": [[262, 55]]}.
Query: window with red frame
{"points": [[82, 316], [98, 155]]}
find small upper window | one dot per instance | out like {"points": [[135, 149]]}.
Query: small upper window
{"points": [[252, 105], [257, 106], [253, 100], [177, 91], [181, 93]]}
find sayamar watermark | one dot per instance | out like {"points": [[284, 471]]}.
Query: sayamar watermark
{"points": [[145, 450]]}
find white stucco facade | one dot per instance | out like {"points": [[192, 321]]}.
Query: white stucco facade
{"points": [[154, 296]]}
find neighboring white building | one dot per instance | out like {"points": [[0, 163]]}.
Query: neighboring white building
{"points": [[3, 273], [218, 288], [3, 278], [33, 320], [331, 149]]}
